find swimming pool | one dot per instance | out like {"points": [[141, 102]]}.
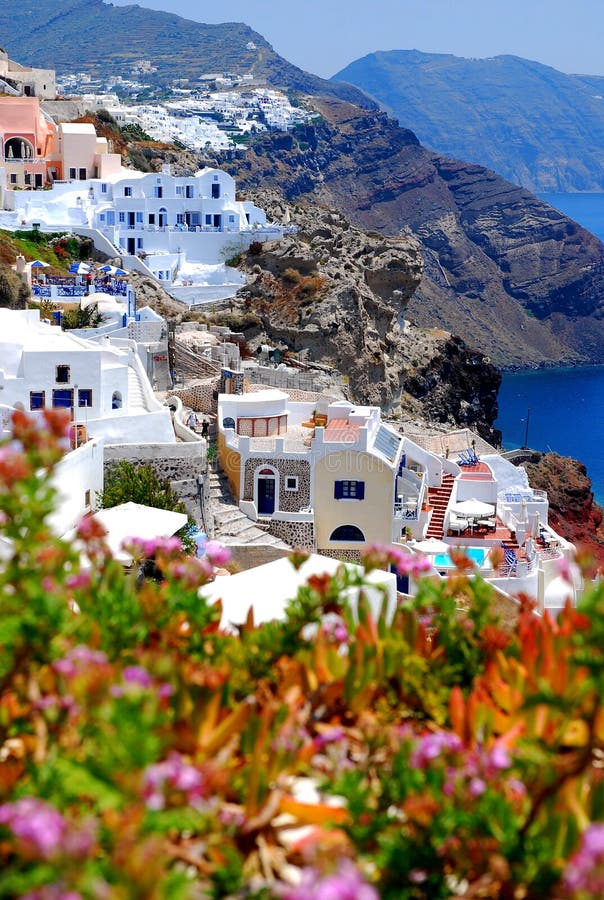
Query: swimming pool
{"points": [[476, 554]]}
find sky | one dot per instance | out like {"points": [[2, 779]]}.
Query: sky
{"points": [[323, 36]]}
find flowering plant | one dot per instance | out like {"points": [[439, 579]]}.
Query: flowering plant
{"points": [[147, 753]]}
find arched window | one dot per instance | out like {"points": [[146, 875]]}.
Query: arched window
{"points": [[229, 423], [18, 148], [116, 400], [347, 533], [162, 217]]}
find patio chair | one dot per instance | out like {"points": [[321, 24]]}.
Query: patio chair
{"points": [[457, 524], [511, 560], [464, 459], [474, 460]]}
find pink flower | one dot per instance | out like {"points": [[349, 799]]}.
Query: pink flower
{"points": [[381, 556], [431, 746], [584, 873], [499, 758], [78, 659], [171, 774], [137, 675], [37, 825], [52, 892], [146, 548], [217, 554], [567, 570], [345, 884], [477, 787]]}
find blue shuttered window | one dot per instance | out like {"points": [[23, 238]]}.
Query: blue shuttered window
{"points": [[349, 490]]}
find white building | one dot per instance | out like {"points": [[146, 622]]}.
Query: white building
{"points": [[157, 222], [104, 386], [334, 478]]}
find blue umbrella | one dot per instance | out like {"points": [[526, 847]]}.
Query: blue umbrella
{"points": [[112, 270], [80, 269], [37, 263]]}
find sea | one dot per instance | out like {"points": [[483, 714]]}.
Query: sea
{"points": [[564, 407]]}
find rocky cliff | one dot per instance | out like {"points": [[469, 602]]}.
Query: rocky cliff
{"points": [[573, 512], [510, 274], [533, 125], [336, 295]]}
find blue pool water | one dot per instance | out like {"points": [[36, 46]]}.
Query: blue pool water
{"points": [[444, 561]]}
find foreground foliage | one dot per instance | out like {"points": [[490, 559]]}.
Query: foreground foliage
{"points": [[147, 753]]}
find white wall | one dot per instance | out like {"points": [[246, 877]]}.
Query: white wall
{"points": [[79, 471]]}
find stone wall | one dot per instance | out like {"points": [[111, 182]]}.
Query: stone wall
{"points": [[176, 462], [351, 556], [201, 397], [296, 534], [289, 501]]}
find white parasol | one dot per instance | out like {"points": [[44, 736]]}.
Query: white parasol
{"points": [[431, 546], [473, 509]]}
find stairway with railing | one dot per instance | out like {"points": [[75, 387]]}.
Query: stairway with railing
{"points": [[438, 499]]}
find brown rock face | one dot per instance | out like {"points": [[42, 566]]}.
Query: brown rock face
{"points": [[573, 512], [513, 276], [339, 297]]}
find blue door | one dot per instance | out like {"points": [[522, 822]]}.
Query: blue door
{"points": [[266, 496]]}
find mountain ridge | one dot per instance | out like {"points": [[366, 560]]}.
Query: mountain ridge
{"points": [[532, 124], [97, 37]]}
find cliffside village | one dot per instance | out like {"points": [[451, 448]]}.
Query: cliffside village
{"points": [[266, 458]]}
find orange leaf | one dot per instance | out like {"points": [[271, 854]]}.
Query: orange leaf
{"points": [[314, 813]]}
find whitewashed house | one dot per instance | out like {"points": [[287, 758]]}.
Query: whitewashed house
{"points": [[104, 386], [155, 223]]}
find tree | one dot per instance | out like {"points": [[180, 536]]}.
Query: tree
{"points": [[89, 317], [130, 483], [14, 293]]}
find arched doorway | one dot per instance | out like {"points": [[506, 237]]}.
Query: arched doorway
{"points": [[162, 217], [347, 533], [266, 492]]}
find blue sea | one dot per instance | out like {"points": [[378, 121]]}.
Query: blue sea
{"points": [[564, 406]]}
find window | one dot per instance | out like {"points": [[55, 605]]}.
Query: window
{"points": [[122, 217], [349, 490], [189, 191], [291, 483], [62, 399], [158, 192], [139, 243], [103, 188], [215, 191], [180, 218], [85, 397], [208, 220], [13, 178], [63, 375], [151, 218], [28, 178], [231, 219], [37, 399], [72, 174], [83, 174], [179, 190], [87, 496], [347, 533], [127, 191], [139, 217]]}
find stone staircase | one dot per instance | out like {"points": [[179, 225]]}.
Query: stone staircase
{"points": [[231, 526], [438, 499], [136, 398]]}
